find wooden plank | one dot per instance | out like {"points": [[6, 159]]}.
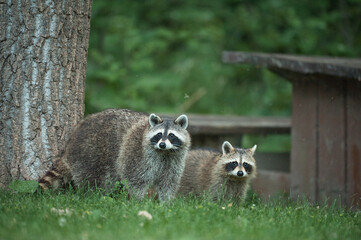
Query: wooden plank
{"points": [[331, 137], [211, 141], [268, 184], [342, 68], [353, 143], [304, 139], [235, 125]]}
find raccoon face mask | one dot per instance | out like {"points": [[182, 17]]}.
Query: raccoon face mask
{"points": [[167, 134], [238, 163]]}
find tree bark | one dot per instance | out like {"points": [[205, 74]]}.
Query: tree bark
{"points": [[43, 55]]}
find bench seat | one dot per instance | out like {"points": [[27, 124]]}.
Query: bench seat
{"points": [[236, 125]]}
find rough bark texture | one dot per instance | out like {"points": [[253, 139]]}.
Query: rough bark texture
{"points": [[42, 72]]}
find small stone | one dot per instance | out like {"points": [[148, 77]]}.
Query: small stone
{"points": [[145, 214], [65, 212]]}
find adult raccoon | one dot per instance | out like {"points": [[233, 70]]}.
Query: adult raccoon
{"points": [[120, 144], [225, 174]]}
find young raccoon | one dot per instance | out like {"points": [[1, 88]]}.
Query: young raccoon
{"points": [[116, 145], [221, 174]]}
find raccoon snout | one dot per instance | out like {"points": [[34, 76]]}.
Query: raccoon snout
{"points": [[162, 145], [240, 173]]}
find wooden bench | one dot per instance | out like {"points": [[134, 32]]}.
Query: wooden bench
{"points": [[235, 125], [326, 123]]}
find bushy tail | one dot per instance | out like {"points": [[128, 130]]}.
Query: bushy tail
{"points": [[57, 177]]}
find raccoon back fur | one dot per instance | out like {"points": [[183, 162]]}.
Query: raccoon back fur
{"points": [[225, 174], [120, 144]]}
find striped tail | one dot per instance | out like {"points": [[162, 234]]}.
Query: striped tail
{"points": [[57, 177], [51, 179]]}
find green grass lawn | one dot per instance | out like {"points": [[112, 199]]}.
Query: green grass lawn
{"points": [[95, 216]]}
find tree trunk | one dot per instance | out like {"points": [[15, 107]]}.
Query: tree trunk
{"points": [[43, 55]]}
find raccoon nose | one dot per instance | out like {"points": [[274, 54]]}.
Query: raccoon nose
{"points": [[162, 145], [240, 173]]}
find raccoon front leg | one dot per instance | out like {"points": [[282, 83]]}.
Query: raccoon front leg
{"points": [[138, 189], [167, 187], [166, 192], [218, 191]]}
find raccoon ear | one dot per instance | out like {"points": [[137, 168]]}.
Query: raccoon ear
{"points": [[154, 120], [227, 148], [253, 150], [182, 120]]}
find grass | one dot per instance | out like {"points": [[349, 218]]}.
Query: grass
{"points": [[95, 216]]}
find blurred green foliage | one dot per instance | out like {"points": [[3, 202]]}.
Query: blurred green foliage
{"points": [[165, 56]]}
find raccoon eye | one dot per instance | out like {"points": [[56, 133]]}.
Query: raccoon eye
{"points": [[171, 135], [231, 166], [248, 167], [159, 134]]}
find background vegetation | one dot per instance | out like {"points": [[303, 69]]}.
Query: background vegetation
{"points": [[165, 56]]}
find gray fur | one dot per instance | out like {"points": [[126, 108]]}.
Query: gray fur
{"points": [[159, 169], [115, 145], [205, 173]]}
